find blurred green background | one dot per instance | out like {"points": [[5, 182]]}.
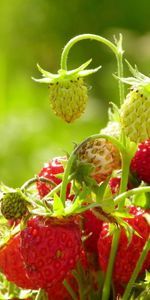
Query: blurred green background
{"points": [[34, 31]]}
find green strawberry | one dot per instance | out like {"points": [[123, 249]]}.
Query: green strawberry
{"points": [[101, 155], [67, 91], [13, 205], [135, 112]]}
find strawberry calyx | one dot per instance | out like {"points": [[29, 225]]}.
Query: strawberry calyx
{"points": [[138, 80], [64, 75]]}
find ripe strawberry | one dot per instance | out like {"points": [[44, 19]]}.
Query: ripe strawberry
{"points": [[50, 171], [12, 264], [92, 227], [114, 184], [13, 205], [58, 291], [127, 253], [102, 155], [135, 114], [50, 248], [140, 164], [68, 92]]}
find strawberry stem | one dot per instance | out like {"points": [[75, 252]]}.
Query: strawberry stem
{"points": [[137, 269], [124, 177], [132, 192], [70, 290], [65, 178], [117, 50], [107, 283], [41, 295], [31, 181]]}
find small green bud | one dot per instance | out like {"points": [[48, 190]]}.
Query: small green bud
{"points": [[13, 205]]}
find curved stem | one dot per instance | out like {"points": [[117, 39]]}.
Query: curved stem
{"points": [[136, 270], [31, 181], [81, 37], [117, 50], [132, 192]]}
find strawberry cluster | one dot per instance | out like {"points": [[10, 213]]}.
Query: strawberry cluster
{"points": [[47, 250], [80, 229]]}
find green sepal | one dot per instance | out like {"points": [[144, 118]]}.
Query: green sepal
{"points": [[58, 207], [64, 74], [131, 147], [114, 113], [139, 79]]}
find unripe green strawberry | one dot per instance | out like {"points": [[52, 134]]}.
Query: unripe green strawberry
{"points": [[135, 112], [68, 98], [67, 91], [102, 155], [13, 205]]}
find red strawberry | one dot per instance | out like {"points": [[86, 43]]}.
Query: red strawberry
{"points": [[114, 184], [12, 265], [140, 164], [50, 171], [127, 254], [92, 227], [50, 248], [58, 290]]}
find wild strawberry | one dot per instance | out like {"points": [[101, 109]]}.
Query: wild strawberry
{"points": [[114, 184], [135, 112], [68, 92], [127, 253], [92, 227], [58, 291], [102, 155], [12, 264], [14, 205], [140, 164], [50, 171], [50, 248]]}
